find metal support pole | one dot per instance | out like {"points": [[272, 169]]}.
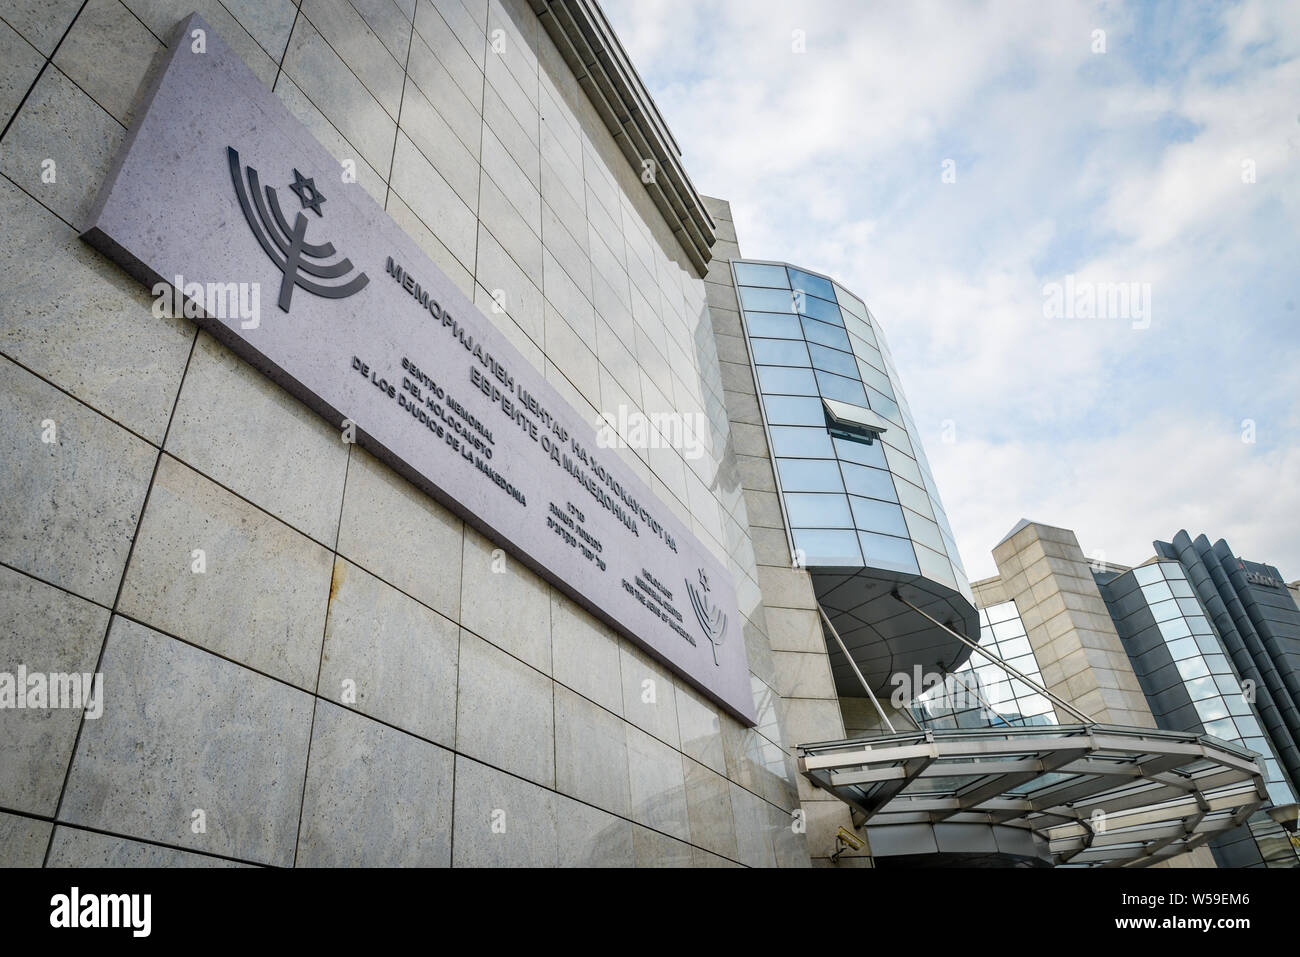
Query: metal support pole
{"points": [[998, 661], [854, 665]]}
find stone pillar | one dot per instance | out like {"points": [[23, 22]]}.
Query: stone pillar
{"points": [[1082, 659]]}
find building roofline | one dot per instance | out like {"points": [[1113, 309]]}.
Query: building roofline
{"points": [[596, 56], [1022, 524]]}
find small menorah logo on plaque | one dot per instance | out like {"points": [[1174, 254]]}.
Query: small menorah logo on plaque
{"points": [[710, 615], [287, 245]]}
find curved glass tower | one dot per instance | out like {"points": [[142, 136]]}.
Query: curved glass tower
{"points": [[860, 503]]}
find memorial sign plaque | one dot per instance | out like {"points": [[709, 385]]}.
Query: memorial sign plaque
{"points": [[219, 187]]}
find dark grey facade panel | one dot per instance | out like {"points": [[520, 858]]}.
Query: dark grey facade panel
{"points": [[1257, 623], [1236, 848], [1156, 673], [1273, 701], [1278, 626]]}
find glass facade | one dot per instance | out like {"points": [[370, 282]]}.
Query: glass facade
{"points": [[858, 496], [1259, 625], [850, 501], [981, 694], [1191, 685], [1184, 671]]}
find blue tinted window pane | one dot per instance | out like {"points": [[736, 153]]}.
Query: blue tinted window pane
{"points": [[1207, 643], [1201, 688], [861, 452], [802, 443], [1146, 574], [1279, 793], [1175, 628], [1192, 667], [924, 531], [867, 353], [779, 352], [876, 379], [850, 302], [882, 551], [857, 327], [897, 440], [755, 274], [787, 381], [1189, 606], [1228, 686], [832, 360], [794, 410], [826, 335], [1218, 664], [818, 511], [813, 285], [886, 407], [1016, 645], [1248, 726], [1159, 591], [1258, 745], [766, 300], [904, 466], [1181, 588], [936, 566], [872, 516], [1183, 648], [825, 547], [1237, 705], [773, 325], [810, 475], [914, 498], [872, 483], [1165, 610], [839, 387], [1223, 728], [819, 309], [1003, 611], [1211, 709]]}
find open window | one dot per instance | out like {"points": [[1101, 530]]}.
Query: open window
{"points": [[852, 422]]}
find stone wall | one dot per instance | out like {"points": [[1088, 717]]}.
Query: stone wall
{"points": [[798, 666], [305, 660]]}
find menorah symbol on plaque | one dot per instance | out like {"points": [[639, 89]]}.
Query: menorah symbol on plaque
{"points": [[710, 615], [287, 245]]}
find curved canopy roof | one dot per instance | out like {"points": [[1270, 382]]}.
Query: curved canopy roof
{"points": [[886, 636], [1093, 795]]}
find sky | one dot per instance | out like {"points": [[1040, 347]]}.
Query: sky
{"points": [[953, 163]]}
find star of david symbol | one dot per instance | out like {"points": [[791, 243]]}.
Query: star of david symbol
{"points": [[308, 194]]}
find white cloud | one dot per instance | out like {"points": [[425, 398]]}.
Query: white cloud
{"points": [[1119, 494], [1117, 167]]}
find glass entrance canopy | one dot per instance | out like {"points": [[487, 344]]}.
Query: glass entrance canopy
{"points": [[1083, 795]]}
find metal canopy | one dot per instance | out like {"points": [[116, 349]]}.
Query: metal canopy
{"points": [[1097, 795], [886, 636]]}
